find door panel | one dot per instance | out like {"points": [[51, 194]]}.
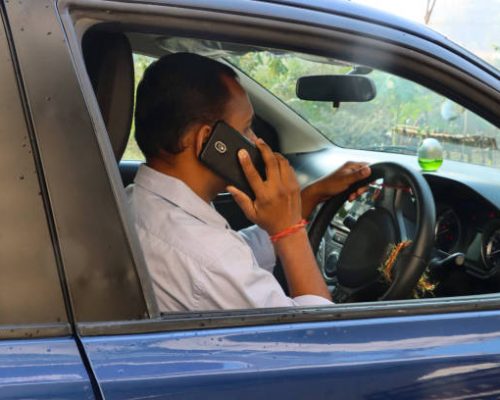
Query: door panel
{"points": [[30, 291], [42, 369], [406, 357], [78, 169]]}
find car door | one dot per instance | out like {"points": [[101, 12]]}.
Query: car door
{"points": [[438, 348], [359, 356], [39, 356]]}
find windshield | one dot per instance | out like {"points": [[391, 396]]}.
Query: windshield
{"points": [[398, 119]]}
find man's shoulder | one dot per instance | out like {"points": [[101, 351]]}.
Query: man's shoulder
{"points": [[160, 217], [170, 224]]}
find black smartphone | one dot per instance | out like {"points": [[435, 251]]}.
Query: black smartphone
{"points": [[220, 154]]}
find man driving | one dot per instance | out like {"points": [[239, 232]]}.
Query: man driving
{"points": [[196, 261]]}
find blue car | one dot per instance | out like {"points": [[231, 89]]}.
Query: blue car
{"points": [[78, 317]]}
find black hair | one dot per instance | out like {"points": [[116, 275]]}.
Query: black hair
{"points": [[176, 91]]}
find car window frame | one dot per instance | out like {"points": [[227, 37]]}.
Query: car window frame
{"points": [[77, 16]]}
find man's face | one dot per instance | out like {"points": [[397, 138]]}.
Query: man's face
{"points": [[239, 111]]}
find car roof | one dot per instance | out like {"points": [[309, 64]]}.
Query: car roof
{"points": [[368, 14]]}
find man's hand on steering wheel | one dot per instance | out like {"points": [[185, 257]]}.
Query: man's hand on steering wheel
{"points": [[377, 230], [333, 184]]}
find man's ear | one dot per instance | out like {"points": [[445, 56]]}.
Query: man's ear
{"points": [[201, 137]]}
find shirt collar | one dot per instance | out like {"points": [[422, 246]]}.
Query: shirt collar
{"points": [[179, 194]]}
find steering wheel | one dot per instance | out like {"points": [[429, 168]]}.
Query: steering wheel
{"points": [[367, 245]]}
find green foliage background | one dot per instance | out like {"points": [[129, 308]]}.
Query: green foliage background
{"points": [[132, 151]]}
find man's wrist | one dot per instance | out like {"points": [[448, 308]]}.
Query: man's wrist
{"points": [[288, 231], [310, 198], [291, 241]]}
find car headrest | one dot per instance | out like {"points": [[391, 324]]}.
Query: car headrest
{"points": [[110, 66]]}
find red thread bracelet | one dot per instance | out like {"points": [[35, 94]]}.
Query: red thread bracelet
{"points": [[288, 231]]}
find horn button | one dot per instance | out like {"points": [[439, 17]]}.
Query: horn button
{"points": [[366, 248]]}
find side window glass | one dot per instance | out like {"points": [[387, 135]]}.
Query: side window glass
{"points": [[132, 151], [30, 289]]}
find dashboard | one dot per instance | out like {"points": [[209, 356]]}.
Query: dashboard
{"points": [[467, 228], [467, 199], [468, 223]]}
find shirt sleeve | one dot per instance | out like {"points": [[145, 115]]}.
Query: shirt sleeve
{"points": [[236, 281], [222, 274], [311, 300], [261, 245]]}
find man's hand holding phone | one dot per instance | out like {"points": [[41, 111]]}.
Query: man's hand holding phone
{"points": [[277, 198], [275, 209]]}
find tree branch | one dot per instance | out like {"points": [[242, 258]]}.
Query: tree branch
{"points": [[428, 10]]}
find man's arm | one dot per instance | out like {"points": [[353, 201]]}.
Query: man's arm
{"points": [[302, 273], [277, 206], [312, 195], [333, 184]]}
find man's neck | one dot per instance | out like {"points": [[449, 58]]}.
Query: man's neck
{"points": [[193, 174]]}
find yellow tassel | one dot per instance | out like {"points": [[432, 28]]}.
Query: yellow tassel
{"points": [[423, 285]]}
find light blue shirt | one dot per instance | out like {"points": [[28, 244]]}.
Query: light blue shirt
{"points": [[195, 260]]}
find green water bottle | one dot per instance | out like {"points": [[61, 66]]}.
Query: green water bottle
{"points": [[430, 155]]}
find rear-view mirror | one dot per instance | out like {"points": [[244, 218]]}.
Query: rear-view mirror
{"points": [[336, 88]]}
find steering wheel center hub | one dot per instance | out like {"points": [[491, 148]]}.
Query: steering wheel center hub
{"points": [[366, 248]]}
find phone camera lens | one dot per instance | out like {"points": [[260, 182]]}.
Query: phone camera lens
{"points": [[220, 147]]}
